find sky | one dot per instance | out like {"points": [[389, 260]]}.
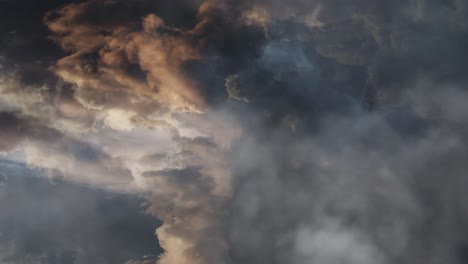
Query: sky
{"points": [[233, 131]]}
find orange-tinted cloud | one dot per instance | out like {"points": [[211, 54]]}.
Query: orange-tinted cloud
{"points": [[102, 55]]}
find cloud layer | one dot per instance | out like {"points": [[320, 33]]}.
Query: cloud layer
{"points": [[258, 131]]}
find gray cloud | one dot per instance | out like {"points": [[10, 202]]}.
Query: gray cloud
{"points": [[68, 223]]}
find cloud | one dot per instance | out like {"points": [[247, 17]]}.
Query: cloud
{"points": [[49, 148], [156, 50], [258, 131], [331, 245], [12, 131], [69, 223]]}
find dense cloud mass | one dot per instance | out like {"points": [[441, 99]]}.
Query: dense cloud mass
{"points": [[263, 131]]}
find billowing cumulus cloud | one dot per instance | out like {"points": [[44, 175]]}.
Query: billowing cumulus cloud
{"points": [[257, 131], [102, 80]]}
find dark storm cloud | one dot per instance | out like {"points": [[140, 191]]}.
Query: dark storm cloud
{"points": [[305, 198], [358, 196], [24, 46], [299, 132], [13, 131]]}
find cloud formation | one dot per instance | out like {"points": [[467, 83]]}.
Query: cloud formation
{"points": [[63, 222], [258, 131]]}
